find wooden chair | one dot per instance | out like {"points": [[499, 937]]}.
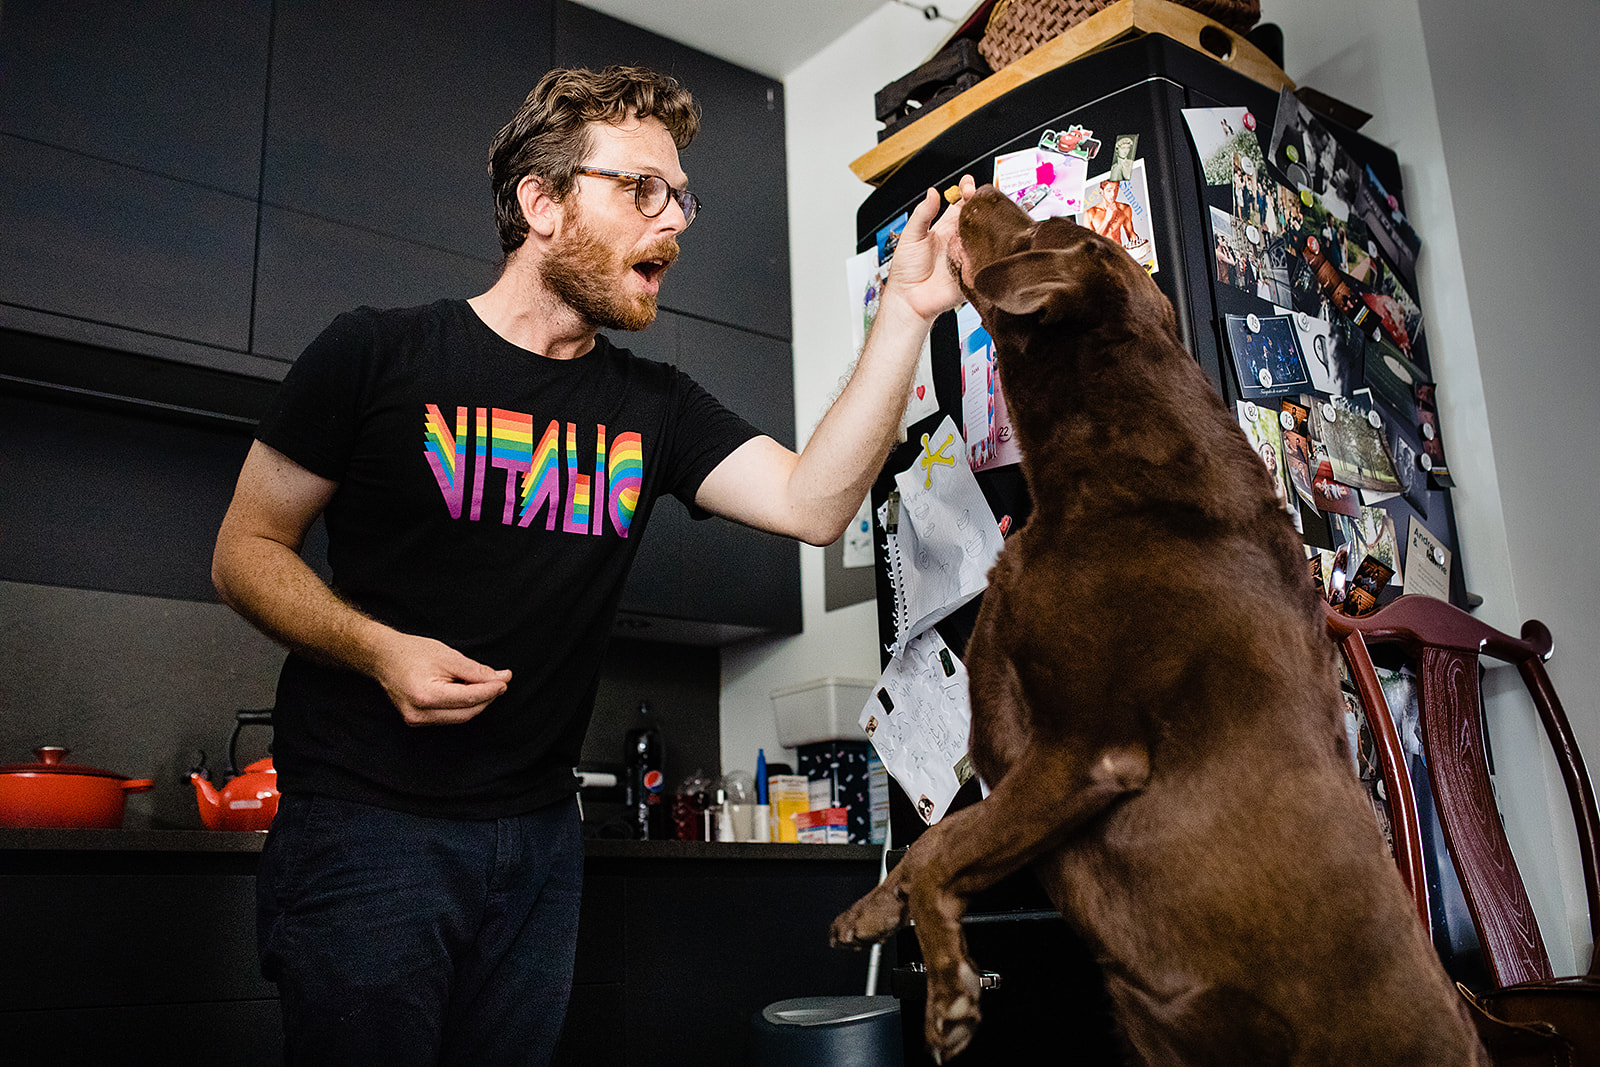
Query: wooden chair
{"points": [[1530, 1016]]}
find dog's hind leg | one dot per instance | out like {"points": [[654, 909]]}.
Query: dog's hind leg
{"points": [[1049, 792]]}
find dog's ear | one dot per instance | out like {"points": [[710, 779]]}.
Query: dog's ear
{"points": [[1041, 281]]}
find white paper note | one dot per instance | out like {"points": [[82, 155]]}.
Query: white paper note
{"points": [[919, 717], [946, 537]]}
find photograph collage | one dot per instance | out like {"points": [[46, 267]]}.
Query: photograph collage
{"points": [[1326, 344]]}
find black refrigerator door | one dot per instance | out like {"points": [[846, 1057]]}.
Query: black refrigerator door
{"points": [[1139, 87]]}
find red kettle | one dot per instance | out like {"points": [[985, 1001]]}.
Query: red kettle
{"points": [[248, 799]]}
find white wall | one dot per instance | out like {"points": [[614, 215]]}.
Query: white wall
{"points": [[830, 123], [1492, 112]]}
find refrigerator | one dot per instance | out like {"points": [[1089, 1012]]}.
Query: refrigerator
{"points": [[1047, 989]]}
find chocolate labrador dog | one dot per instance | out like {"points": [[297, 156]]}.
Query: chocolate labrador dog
{"points": [[1156, 709]]}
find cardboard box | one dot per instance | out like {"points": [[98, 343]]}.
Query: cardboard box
{"points": [[825, 826], [823, 710]]}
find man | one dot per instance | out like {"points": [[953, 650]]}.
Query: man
{"points": [[486, 468]]}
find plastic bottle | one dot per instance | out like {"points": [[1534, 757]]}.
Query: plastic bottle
{"points": [[645, 784]]}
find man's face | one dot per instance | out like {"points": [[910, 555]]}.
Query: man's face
{"points": [[606, 259]]}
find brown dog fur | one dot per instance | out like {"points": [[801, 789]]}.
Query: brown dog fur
{"points": [[1155, 706]]}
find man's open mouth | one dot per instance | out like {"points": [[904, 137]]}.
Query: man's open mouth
{"points": [[651, 269]]}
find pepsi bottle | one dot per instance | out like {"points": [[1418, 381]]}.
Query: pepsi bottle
{"points": [[644, 793]]}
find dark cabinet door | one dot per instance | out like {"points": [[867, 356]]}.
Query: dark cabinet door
{"points": [[130, 152], [311, 269], [381, 115], [734, 574], [718, 579], [84, 242], [173, 89], [654, 589], [735, 265], [374, 184]]}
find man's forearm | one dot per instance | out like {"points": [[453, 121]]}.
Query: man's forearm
{"points": [[847, 449], [268, 584]]}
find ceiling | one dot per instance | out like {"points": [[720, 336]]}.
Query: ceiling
{"points": [[770, 37]]}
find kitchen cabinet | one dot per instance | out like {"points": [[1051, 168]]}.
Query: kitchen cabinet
{"points": [[380, 115], [310, 269], [130, 148], [140, 946]]}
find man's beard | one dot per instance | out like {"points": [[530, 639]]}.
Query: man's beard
{"points": [[579, 269]]}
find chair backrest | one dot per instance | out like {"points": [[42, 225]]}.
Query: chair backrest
{"points": [[1444, 645]]}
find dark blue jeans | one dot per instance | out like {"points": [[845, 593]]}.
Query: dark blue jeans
{"points": [[399, 939]]}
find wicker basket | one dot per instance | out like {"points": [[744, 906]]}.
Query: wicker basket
{"points": [[1017, 27]]}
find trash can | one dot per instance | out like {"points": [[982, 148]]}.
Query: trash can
{"points": [[841, 1031]]}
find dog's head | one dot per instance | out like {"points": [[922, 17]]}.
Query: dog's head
{"points": [[1050, 272]]}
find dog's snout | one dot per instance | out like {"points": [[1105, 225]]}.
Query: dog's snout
{"points": [[992, 226]]}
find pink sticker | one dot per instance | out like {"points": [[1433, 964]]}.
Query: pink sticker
{"points": [[1046, 174]]}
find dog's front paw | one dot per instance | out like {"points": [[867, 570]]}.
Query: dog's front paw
{"points": [[870, 919], [952, 1012]]}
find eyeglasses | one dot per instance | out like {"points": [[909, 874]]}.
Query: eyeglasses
{"points": [[651, 192]]}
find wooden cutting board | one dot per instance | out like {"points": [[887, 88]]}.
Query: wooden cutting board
{"points": [[1120, 22]]}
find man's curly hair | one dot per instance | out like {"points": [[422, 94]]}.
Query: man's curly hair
{"points": [[549, 136]]}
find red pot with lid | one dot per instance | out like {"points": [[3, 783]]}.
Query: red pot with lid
{"points": [[53, 793]]}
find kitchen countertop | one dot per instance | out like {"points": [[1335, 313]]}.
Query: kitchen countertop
{"points": [[222, 841]]}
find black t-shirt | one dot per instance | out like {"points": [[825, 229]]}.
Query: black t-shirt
{"points": [[490, 498]]}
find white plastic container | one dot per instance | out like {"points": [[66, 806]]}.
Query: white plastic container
{"points": [[828, 709]]}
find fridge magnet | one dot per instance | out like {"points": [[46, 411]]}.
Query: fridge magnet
{"points": [[1408, 468], [1121, 211], [1364, 754], [1380, 212], [1371, 533], [1045, 184], [1255, 196], [1220, 135], [1307, 154], [1361, 593], [1074, 141], [1266, 355], [1261, 426], [857, 541], [918, 719], [864, 277], [889, 237], [1124, 150], [1393, 378], [990, 439], [1427, 563], [1432, 458], [1297, 452], [1329, 495], [1355, 446], [1249, 260]]}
